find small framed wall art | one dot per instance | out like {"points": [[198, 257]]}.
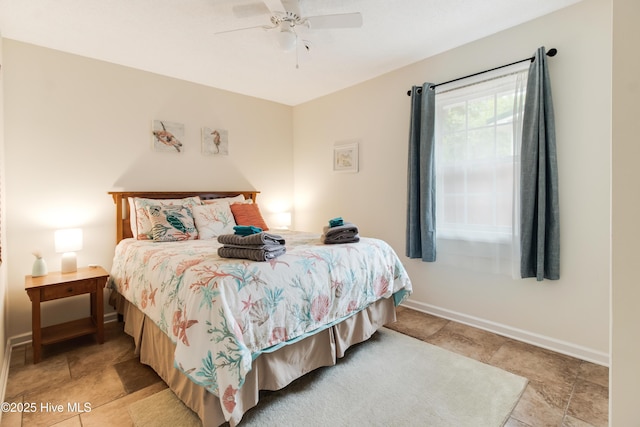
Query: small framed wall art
{"points": [[215, 142], [345, 157], [167, 136]]}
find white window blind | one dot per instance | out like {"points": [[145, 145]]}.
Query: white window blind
{"points": [[478, 129]]}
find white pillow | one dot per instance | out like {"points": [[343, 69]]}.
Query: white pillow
{"points": [[133, 217], [235, 199], [213, 219]]}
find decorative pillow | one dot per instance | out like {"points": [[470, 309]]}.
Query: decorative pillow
{"points": [[213, 219], [143, 222], [235, 199], [248, 214], [171, 223], [132, 217]]}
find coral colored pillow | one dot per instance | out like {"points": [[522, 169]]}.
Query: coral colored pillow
{"points": [[248, 214]]}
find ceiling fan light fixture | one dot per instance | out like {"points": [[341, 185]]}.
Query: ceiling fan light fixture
{"points": [[287, 39]]}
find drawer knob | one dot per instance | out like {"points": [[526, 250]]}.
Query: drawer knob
{"points": [[69, 290]]}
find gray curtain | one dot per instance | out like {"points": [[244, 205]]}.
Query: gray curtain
{"points": [[540, 214], [421, 195]]}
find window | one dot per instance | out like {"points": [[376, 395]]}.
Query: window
{"points": [[477, 126]]}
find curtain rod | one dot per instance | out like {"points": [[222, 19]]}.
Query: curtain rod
{"points": [[552, 52]]}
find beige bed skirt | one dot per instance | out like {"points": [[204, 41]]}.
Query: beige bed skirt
{"points": [[270, 371]]}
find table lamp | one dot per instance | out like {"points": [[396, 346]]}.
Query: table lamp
{"points": [[68, 241], [283, 220]]}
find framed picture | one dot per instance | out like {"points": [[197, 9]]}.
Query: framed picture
{"points": [[215, 142], [167, 136], [345, 157]]}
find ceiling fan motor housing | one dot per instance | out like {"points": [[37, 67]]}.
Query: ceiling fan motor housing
{"points": [[287, 18]]}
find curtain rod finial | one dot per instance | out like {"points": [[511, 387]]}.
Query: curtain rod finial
{"points": [[552, 52]]}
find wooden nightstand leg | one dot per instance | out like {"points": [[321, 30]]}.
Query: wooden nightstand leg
{"points": [[92, 306], [99, 312], [35, 328]]}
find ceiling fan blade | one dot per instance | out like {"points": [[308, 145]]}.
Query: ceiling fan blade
{"points": [[250, 10], [265, 27], [292, 6], [275, 6], [283, 7], [341, 20]]}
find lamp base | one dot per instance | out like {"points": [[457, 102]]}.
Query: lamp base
{"points": [[69, 263]]}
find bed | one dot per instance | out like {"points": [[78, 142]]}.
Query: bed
{"points": [[218, 330]]}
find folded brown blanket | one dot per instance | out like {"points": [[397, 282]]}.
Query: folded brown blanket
{"points": [[251, 254], [346, 233], [251, 239]]}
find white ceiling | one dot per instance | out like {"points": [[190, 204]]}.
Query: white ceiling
{"points": [[177, 38]]}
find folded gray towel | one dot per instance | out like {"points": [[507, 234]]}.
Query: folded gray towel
{"points": [[268, 248], [251, 239], [346, 233], [251, 254]]}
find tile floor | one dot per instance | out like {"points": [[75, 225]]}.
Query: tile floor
{"points": [[562, 391]]}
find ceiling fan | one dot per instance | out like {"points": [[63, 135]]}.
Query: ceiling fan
{"points": [[286, 16]]}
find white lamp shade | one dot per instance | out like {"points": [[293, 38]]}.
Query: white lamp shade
{"points": [[287, 40], [68, 240]]}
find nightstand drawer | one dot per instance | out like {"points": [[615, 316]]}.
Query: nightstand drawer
{"points": [[67, 289]]}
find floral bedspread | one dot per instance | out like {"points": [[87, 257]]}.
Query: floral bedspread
{"points": [[222, 312]]}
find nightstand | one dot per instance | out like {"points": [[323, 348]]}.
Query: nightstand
{"points": [[90, 280]]}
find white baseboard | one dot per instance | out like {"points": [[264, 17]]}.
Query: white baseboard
{"points": [[542, 341]]}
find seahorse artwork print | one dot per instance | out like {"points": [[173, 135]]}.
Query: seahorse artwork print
{"points": [[167, 135], [215, 142]]}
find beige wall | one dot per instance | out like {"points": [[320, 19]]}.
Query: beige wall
{"points": [[3, 234], [625, 290], [570, 315], [77, 128]]}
